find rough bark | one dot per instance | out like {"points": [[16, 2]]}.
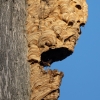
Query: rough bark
{"points": [[14, 70], [53, 28]]}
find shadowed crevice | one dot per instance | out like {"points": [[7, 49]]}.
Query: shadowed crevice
{"points": [[53, 55]]}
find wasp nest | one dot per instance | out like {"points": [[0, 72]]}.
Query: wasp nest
{"points": [[53, 27]]}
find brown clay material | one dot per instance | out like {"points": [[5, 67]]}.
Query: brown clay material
{"points": [[53, 28]]}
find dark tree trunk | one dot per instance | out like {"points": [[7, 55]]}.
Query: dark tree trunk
{"points": [[14, 70]]}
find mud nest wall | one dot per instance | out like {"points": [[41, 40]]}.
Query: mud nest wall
{"points": [[53, 24], [53, 28]]}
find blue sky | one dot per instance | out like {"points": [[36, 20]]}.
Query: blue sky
{"points": [[82, 69]]}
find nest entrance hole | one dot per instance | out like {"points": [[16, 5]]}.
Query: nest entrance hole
{"points": [[53, 55]]}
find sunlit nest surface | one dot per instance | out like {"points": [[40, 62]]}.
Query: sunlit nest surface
{"points": [[53, 55]]}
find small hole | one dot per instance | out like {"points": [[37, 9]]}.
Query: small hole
{"points": [[79, 7], [58, 36], [70, 24], [78, 21], [65, 40], [82, 24], [77, 29]]}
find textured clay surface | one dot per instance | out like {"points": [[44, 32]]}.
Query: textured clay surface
{"points": [[53, 24], [53, 28]]}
